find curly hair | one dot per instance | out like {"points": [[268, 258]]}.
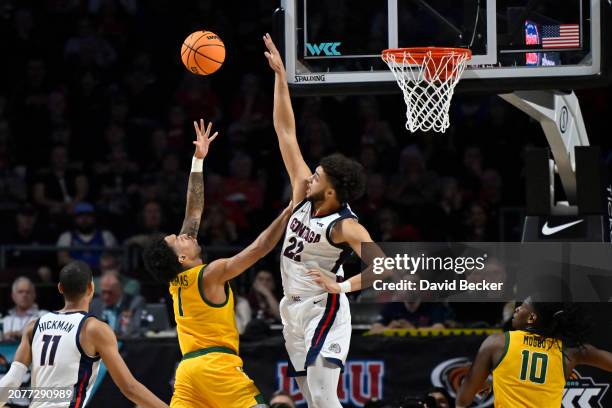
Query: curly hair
{"points": [[161, 261], [346, 176], [563, 321]]}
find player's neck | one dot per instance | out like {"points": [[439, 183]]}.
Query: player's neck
{"points": [[189, 265], [324, 207], [78, 306]]}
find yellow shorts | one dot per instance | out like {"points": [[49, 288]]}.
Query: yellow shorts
{"points": [[214, 378]]}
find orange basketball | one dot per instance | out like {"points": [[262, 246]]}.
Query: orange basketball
{"points": [[203, 52]]}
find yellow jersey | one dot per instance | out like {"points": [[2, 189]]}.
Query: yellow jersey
{"points": [[531, 372], [201, 324]]}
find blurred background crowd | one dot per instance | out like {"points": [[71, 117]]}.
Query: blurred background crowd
{"points": [[96, 116]]}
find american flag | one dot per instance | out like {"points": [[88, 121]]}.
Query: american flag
{"points": [[561, 36]]}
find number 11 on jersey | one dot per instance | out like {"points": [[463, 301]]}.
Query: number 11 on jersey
{"points": [[46, 340]]}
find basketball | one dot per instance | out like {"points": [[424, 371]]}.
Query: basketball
{"points": [[203, 52]]}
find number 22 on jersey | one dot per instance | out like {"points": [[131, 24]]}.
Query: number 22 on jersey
{"points": [[294, 249]]}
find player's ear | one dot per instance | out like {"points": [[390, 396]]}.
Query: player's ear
{"points": [[60, 288], [532, 318], [182, 259], [330, 192]]}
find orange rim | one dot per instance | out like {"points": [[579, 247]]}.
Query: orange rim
{"points": [[418, 54]]}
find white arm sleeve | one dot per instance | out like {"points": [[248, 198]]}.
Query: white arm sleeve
{"points": [[12, 379]]}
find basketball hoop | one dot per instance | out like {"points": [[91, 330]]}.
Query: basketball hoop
{"points": [[427, 77]]}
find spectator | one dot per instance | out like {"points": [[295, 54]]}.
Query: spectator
{"points": [[414, 184], [491, 187], [375, 130], [318, 141], [26, 232], [118, 183], [374, 198], [369, 159], [171, 185], [110, 264], [158, 148], [177, 127], [441, 396], [251, 108], [282, 399], [471, 174], [121, 311], [262, 299], [198, 98], [85, 234], [412, 315], [240, 190], [242, 312], [13, 188], [59, 187], [89, 48], [477, 227], [217, 229], [23, 295], [442, 220], [390, 229], [150, 225]]}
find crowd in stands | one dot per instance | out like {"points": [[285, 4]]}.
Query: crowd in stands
{"points": [[96, 116]]}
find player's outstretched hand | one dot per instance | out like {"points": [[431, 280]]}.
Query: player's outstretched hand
{"points": [[273, 56], [324, 281], [203, 138]]}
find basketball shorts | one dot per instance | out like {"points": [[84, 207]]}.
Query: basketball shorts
{"points": [[313, 326], [214, 378]]}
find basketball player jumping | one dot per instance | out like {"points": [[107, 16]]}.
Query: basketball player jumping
{"points": [[322, 232], [531, 364], [210, 374], [65, 348]]}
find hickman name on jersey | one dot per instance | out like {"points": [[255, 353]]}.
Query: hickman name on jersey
{"points": [[308, 245]]}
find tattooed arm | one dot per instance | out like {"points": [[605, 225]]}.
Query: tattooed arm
{"points": [[195, 190]]}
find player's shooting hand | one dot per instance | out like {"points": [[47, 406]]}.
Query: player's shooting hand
{"points": [[273, 56], [324, 281], [203, 138]]}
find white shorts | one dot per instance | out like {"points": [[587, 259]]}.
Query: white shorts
{"points": [[315, 325]]}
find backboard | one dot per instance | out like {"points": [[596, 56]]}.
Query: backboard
{"points": [[335, 45]]}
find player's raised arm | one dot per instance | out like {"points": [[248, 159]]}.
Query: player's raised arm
{"points": [[195, 190], [105, 343], [222, 270], [284, 125], [476, 378], [23, 358], [589, 355]]}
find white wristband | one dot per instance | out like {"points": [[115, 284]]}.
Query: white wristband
{"points": [[12, 379], [345, 286], [197, 165]]}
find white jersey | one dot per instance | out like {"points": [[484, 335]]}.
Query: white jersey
{"points": [[58, 359], [308, 245]]}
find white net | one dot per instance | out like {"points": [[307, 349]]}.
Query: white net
{"points": [[427, 79]]}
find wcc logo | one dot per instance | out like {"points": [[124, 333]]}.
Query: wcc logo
{"points": [[328, 49], [583, 392], [360, 382]]}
